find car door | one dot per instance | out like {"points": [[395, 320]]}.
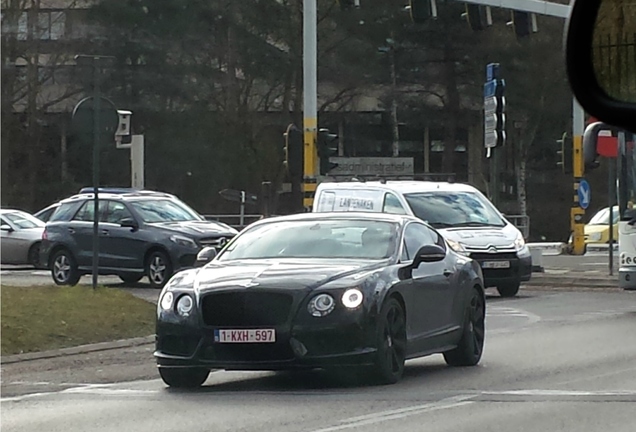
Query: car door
{"points": [[122, 247], [430, 288], [80, 233], [10, 243]]}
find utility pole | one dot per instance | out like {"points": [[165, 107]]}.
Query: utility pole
{"points": [[310, 100]]}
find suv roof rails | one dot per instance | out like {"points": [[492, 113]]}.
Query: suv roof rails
{"points": [[111, 190]]}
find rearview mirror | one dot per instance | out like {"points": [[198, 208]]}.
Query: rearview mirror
{"points": [[129, 223], [6, 228], [427, 254], [600, 59], [204, 256]]}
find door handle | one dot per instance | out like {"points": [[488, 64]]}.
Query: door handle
{"points": [[447, 273], [105, 232], [71, 230]]}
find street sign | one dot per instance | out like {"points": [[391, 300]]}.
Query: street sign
{"points": [[494, 108], [371, 166], [585, 194]]}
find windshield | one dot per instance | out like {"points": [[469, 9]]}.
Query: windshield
{"points": [[354, 239], [164, 210], [453, 209], [602, 217], [23, 220]]}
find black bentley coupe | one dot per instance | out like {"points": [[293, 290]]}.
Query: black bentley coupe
{"points": [[322, 291]]}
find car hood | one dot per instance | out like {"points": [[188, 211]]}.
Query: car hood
{"points": [[483, 237], [591, 229], [280, 274], [196, 229]]}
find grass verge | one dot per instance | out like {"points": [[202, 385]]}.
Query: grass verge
{"points": [[41, 318]]}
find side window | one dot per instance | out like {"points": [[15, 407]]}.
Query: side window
{"points": [[4, 221], [86, 212], [392, 204], [65, 211], [326, 201], [416, 236], [117, 211]]}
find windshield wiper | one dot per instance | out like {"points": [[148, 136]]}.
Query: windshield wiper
{"points": [[441, 225], [475, 224]]}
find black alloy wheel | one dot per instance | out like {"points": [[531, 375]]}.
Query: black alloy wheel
{"points": [[391, 343], [64, 268], [184, 377], [471, 345], [158, 269]]}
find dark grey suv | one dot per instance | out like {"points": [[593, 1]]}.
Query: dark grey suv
{"points": [[141, 234]]}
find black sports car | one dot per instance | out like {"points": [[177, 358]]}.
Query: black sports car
{"points": [[320, 290]]}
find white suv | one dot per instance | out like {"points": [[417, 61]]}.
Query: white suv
{"points": [[464, 216]]}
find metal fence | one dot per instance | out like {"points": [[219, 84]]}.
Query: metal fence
{"points": [[238, 221]]}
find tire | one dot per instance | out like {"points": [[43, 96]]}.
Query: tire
{"points": [[509, 289], [34, 255], [184, 377], [130, 278], [471, 346], [158, 269], [64, 268], [391, 343]]}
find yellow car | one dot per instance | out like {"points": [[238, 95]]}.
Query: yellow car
{"points": [[597, 229]]}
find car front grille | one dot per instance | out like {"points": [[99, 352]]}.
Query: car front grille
{"points": [[215, 242], [246, 308], [484, 256], [278, 351]]}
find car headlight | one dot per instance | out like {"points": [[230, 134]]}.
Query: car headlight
{"points": [[519, 243], [352, 298], [185, 305], [456, 246], [321, 305], [597, 236], [166, 301], [183, 241]]}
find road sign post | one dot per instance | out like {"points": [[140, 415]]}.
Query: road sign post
{"points": [[90, 117]]}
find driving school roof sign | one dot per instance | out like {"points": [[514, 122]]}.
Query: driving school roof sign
{"points": [[372, 166]]}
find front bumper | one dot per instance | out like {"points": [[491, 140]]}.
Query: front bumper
{"points": [[314, 343], [519, 270]]}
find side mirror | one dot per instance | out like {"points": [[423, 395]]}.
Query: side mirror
{"points": [[5, 227], [204, 256], [427, 254], [129, 223]]}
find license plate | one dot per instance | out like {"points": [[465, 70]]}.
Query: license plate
{"points": [[495, 264], [245, 336]]}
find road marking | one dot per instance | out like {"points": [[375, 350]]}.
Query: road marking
{"points": [[353, 422], [547, 392]]}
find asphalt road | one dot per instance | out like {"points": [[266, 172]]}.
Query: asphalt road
{"points": [[554, 361]]}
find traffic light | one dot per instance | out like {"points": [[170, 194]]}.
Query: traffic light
{"points": [[421, 10], [293, 151], [565, 154], [327, 147], [521, 23]]}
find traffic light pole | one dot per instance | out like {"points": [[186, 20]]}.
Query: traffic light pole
{"points": [[310, 100], [577, 213]]}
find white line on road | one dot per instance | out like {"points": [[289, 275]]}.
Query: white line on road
{"points": [[354, 422]]}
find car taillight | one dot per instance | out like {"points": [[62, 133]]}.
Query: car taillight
{"points": [[45, 235]]}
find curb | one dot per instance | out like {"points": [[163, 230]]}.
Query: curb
{"points": [[570, 281], [81, 349]]}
